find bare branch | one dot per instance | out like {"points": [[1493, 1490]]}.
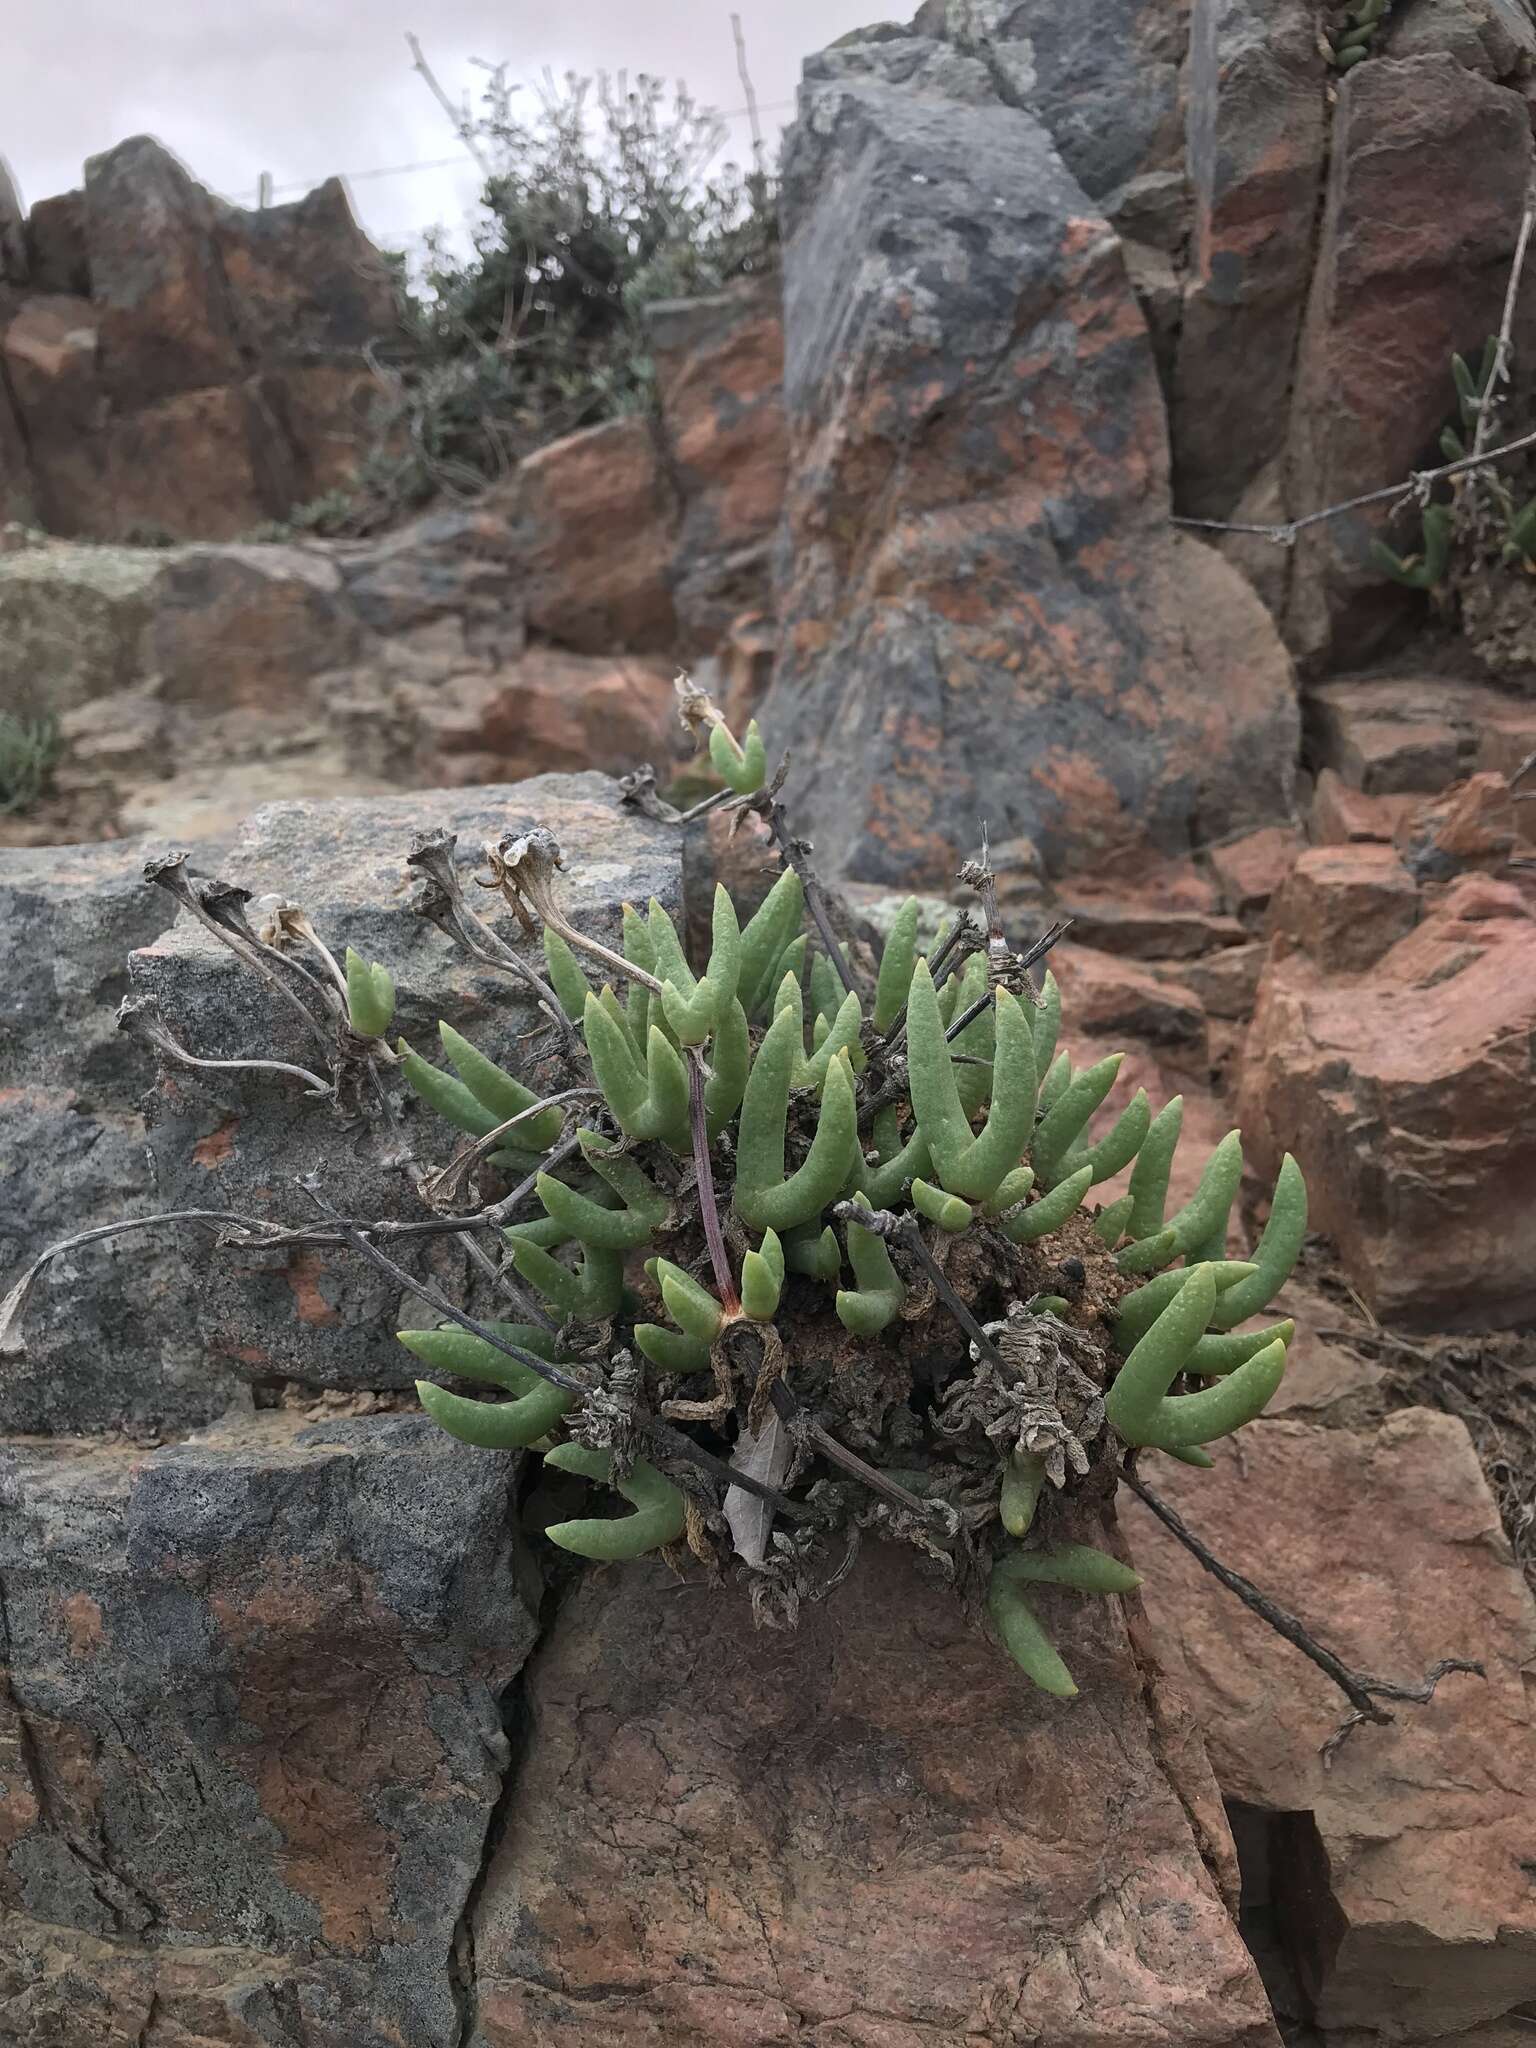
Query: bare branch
{"points": [[1361, 1691]]}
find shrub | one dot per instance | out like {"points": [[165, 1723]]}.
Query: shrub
{"points": [[599, 203]]}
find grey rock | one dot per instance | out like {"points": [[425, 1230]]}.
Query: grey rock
{"points": [[1494, 37], [253, 1734], [1104, 80], [983, 613], [240, 1142], [110, 1337]]}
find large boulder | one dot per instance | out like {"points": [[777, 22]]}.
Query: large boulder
{"points": [[251, 1732], [1105, 83], [842, 1838], [984, 612], [1397, 1873]]}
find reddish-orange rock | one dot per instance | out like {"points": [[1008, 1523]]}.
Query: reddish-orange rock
{"points": [[1107, 998], [1404, 1088], [1474, 825], [1388, 736], [723, 1837], [1149, 910], [1342, 816], [1400, 1876], [719, 383], [596, 517], [1257, 149], [1249, 870], [1343, 906], [549, 711], [183, 368]]}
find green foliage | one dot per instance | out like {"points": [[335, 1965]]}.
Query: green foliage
{"points": [[29, 748], [370, 997], [1429, 568], [604, 196], [980, 1148], [1352, 33]]}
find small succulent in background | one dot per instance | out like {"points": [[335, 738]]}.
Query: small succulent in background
{"points": [[821, 1229], [1513, 525], [29, 751], [1352, 33]]}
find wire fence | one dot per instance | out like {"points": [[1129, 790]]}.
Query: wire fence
{"points": [[266, 190]]}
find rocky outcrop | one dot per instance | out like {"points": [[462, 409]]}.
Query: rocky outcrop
{"points": [[976, 536], [179, 367], [1396, 1876], [234, 1142]]}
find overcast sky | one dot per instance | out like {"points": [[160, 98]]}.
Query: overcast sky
{"points": [[303, 88]]}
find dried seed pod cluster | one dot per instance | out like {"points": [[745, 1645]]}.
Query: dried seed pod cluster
{"points": [[862, 1222]]}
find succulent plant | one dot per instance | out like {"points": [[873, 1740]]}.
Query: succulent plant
{"points": [[1515, 530], [1353, 33], [846, 1237]]}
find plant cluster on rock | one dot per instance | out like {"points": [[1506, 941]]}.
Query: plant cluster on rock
{"points": [[812, 1260]]}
